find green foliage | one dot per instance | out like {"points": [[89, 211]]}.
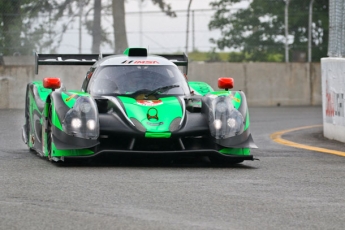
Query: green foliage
{"points": [[20, 30], [213, 56], [206, 56], [259, 30]]}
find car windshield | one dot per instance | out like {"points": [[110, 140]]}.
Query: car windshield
{"points": [[130, 79]]}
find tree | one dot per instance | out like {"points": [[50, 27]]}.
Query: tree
{"points": [[120, 34], [94, 27], [258, 31], [20, 31]]}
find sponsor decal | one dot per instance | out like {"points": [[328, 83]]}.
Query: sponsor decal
{"points": [[152, 113], [141, 62], [334, 104], [149, 102], [236, 99], [146, 62], [127, 62], [154, 124], [70, 97]]}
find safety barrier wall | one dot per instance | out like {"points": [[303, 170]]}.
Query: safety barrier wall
{"points": [[265, 84], [333, 89]]}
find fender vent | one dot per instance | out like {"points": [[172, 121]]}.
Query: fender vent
{"points": [[138, 125], [175, 124]]}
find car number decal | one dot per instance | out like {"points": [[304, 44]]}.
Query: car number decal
{"points": [[149, 102]]}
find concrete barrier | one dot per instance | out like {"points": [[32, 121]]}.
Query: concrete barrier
{"points": [[333, 90], [265, 84]]}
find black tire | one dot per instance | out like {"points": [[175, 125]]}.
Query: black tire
{"points": [[49, 133], [27, 117]]}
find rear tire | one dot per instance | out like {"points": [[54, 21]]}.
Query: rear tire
{"points": [[49, 133], [27, 120]]}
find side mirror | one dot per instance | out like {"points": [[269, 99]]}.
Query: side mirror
{"points": [[225, 83], [51, 83]]}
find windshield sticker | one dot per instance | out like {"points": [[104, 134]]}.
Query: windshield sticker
{"points": [[149, 102], [141, 62]]}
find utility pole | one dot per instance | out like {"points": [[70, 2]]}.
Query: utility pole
{"points": [[140, 23], [310, 27], [287, 31], [187, 30], [193, 31], [80, 3]]}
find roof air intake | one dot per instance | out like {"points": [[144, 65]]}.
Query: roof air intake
{"points": [[136, 52]]}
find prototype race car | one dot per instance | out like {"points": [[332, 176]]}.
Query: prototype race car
{"points": [[135, 103]]}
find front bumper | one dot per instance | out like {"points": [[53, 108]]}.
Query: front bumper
{"points": [[180, 153]]}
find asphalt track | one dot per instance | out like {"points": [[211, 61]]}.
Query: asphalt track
{"points": [[288, 188], [277, 137]]}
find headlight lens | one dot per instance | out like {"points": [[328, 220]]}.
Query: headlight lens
{"points": [[85, 107], [224, 120], [82, 120], [221, 107]]}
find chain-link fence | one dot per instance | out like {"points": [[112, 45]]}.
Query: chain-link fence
{"points": [[336, 46]]}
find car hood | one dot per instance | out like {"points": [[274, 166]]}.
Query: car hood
{"points": [[161, 115]]}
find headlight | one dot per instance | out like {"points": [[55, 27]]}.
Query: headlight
{"points": [[231, 122], [217, 124], [225, 120], [82, 120], [235, 122], [76, 123], [91, 124]]}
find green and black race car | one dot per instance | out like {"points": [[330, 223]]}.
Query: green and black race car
{"points": [[135, 103]]}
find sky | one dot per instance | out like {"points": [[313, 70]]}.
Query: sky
{"points": [[155, 31]]}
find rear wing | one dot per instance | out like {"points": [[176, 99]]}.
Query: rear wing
{"points": [[66, 59], [177, 59], [90, 59]]}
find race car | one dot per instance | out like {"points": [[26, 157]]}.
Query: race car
{"points": [[135, 104]]}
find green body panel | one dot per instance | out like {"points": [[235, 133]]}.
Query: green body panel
{"points": [[155, 115], [69, 99], [32, 107], [42, 92], [158, 135], [235, 151], [235, 96], [246, 126], [70, 152], [201, 88]]}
